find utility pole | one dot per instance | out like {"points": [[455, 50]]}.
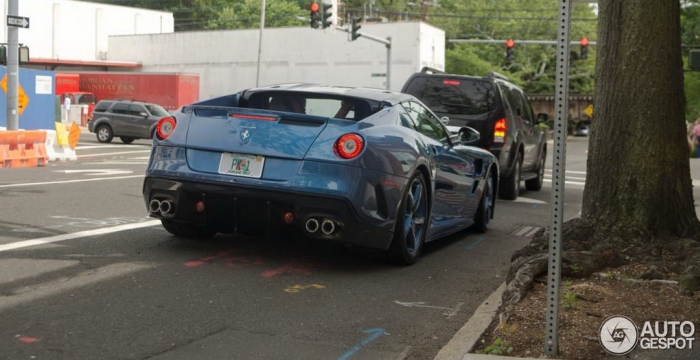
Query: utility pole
{"points": [[12, 67], [262, 26]]}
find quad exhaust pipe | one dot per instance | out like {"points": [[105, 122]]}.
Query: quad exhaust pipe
{"points": [[160, 207], [327, 226], [312, 225]]}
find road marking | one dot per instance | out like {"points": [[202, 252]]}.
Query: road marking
{"points": [[97, 172], [86, 147], [569, 171], [114, 153], [568, 182], [76, 235], [452, 312], [529, 201], [299, 288], [476, 242], [373, 335], [526, 231], [70, 181]]}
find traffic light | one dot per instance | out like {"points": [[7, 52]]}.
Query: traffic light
{"points": [[355, 29], [509, 49], [315, 16], [584, 49], [327, 20]]}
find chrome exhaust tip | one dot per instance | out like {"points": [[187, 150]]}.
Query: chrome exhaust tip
{"points": [[154, 206], [165, 206], [312, 225], [328, 227]]}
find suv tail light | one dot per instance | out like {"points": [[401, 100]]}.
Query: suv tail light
{"points": [[499, 131], [349, 146], [165, 127]]}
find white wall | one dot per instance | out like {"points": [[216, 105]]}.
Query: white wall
{"points": [[227, 60], [76, 30]]}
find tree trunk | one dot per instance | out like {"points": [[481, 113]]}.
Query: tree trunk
{"points": [[638, 166]]}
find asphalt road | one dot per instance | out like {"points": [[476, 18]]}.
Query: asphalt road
{"points": [[85, 274]]}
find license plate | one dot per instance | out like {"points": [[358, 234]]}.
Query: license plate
{"points": [[241, 165]]}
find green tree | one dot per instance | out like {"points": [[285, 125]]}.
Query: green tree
{"points": [[638, 200]]}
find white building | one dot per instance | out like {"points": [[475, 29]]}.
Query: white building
{"points": [[227, 61], [67, 35]]}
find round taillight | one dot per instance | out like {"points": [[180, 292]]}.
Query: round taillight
{"points": [[165, 127], [349, 146]]}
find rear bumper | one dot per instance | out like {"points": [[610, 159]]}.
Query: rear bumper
{"points": [[361, 202]]}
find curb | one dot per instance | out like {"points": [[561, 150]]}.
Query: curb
{"points": [[467, 337]]}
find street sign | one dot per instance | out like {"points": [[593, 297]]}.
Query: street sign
{"points": [[22, 98], [18, 21], [589, 111], [378, 74]]}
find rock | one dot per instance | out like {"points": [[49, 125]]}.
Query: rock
{"points": [[689, 281], [652, 273]]}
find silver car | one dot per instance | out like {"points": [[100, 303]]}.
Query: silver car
{"points": [[127, 119]]}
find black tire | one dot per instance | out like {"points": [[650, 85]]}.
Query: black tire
{"points": [[535, 184], [104, 134], [509, 187], [188, 230], [486, 206], [126, 140], [409, 237]]}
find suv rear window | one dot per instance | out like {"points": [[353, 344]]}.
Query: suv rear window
{"points": [[454, 95], [102, 106]]}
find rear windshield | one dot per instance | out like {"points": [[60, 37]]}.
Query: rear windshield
{"points": [[340, 107], [156, 110], [454, 95]]}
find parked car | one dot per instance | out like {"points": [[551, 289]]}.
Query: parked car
{"points": [[360, 166], [126, 119], [502, 114]]}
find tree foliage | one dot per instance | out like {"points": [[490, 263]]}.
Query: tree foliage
{"points": [[533, 65]]}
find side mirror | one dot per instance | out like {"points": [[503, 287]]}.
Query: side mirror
{"points": [[468, 135], [445, 120], [144, 114], [542, 117]]}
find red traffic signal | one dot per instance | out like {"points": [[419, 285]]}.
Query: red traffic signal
{"points": [[584, 41], [510, 43], [314, 6]]}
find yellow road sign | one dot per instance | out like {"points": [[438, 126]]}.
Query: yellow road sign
{"points": [[22, 100], [589, 111]]}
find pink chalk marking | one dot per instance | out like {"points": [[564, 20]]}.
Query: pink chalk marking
{"points": [[240, 261], [207, 259], [28, 339], [295, 267]]}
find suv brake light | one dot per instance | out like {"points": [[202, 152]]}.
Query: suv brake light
{"points": [[499, 131], [165, 127], [451, 82]]}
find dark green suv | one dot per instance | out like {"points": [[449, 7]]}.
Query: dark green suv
{"points": [[501, 113], [127, 119]]}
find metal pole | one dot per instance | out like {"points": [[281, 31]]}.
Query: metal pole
{"points": [[12, 68], [262, 26], [561, 105], [388, 63]]}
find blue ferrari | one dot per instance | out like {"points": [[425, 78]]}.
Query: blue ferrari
{"points": [[359, 166]]}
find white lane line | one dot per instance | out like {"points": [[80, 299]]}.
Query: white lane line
{"points": [[523, 230], [85, 147], [70, 181], [114, 153], [569, 178], [76, 235], [568, 182], [569, 171]]}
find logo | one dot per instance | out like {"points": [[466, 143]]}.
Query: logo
{"points": [[245, 135], [618, 335]]}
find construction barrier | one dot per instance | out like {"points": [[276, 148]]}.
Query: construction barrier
{"points": [[60, 144], [19, 148]]}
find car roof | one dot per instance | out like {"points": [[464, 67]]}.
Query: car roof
{"points": [[381, 95], [492, 76]]}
